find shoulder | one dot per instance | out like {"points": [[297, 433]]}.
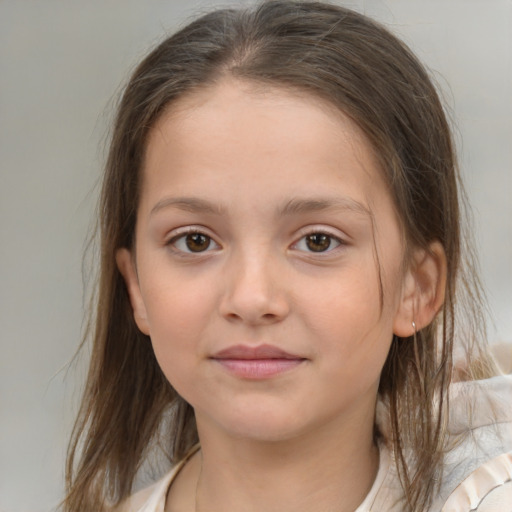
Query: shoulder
{"points": [[487, 489], [478, 467], [479, 447], [136, 501], [152, 498]]}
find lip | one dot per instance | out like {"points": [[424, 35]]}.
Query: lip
{"points": [[261, 362], [259, 352]]}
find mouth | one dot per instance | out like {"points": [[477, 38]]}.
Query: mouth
{"points": [[261, 362]]}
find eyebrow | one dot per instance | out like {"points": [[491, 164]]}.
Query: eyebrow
{"points": [[189, 204], [298, 205], [295, 206]]}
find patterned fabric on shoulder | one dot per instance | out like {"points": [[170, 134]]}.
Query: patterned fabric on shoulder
{"points": [[487, 489]]}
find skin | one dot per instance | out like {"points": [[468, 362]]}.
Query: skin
{"points": [[256, 170]]}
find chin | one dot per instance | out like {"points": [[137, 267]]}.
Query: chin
{"points": [[263, 426]]}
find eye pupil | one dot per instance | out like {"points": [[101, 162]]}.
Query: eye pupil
{"points": [[318, 242], [197, 242]]}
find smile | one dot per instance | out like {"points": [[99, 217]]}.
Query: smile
{"points": [[255, 363]]}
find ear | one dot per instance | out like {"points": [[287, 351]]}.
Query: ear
{"points": [[423, 290], [126, 266]]}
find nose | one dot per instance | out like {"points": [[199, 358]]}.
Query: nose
{"points": [[255, 291]]}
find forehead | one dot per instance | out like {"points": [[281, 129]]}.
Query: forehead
{"points": [[237, 104], [250, 133]]}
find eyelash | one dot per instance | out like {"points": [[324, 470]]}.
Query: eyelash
{"points": [[329, 237], [182, 237]]}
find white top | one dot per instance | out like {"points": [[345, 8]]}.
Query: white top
{"points": [[477, 474]]}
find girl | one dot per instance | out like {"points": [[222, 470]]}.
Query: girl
{"points": [[283, 280]]}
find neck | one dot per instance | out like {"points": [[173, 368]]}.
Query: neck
{"points": [[330, 471]]}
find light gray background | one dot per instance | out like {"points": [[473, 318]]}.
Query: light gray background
{"points": [[60, 64]]}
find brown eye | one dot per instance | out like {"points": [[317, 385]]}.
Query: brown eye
{"points": [[318, 242], [197, 242], [193, 242]]}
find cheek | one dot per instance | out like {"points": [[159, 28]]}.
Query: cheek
{"points": [[356, 329], [177, 323], [177, 301], [178, 317], [348, 302], [175, 312]]}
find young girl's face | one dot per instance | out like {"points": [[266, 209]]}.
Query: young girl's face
{"points": [[268, 264]]}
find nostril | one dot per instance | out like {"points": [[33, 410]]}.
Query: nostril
{"points": [[233, 316]]}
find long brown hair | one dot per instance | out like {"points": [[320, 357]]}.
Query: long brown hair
{"points": [[364, 71]]}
